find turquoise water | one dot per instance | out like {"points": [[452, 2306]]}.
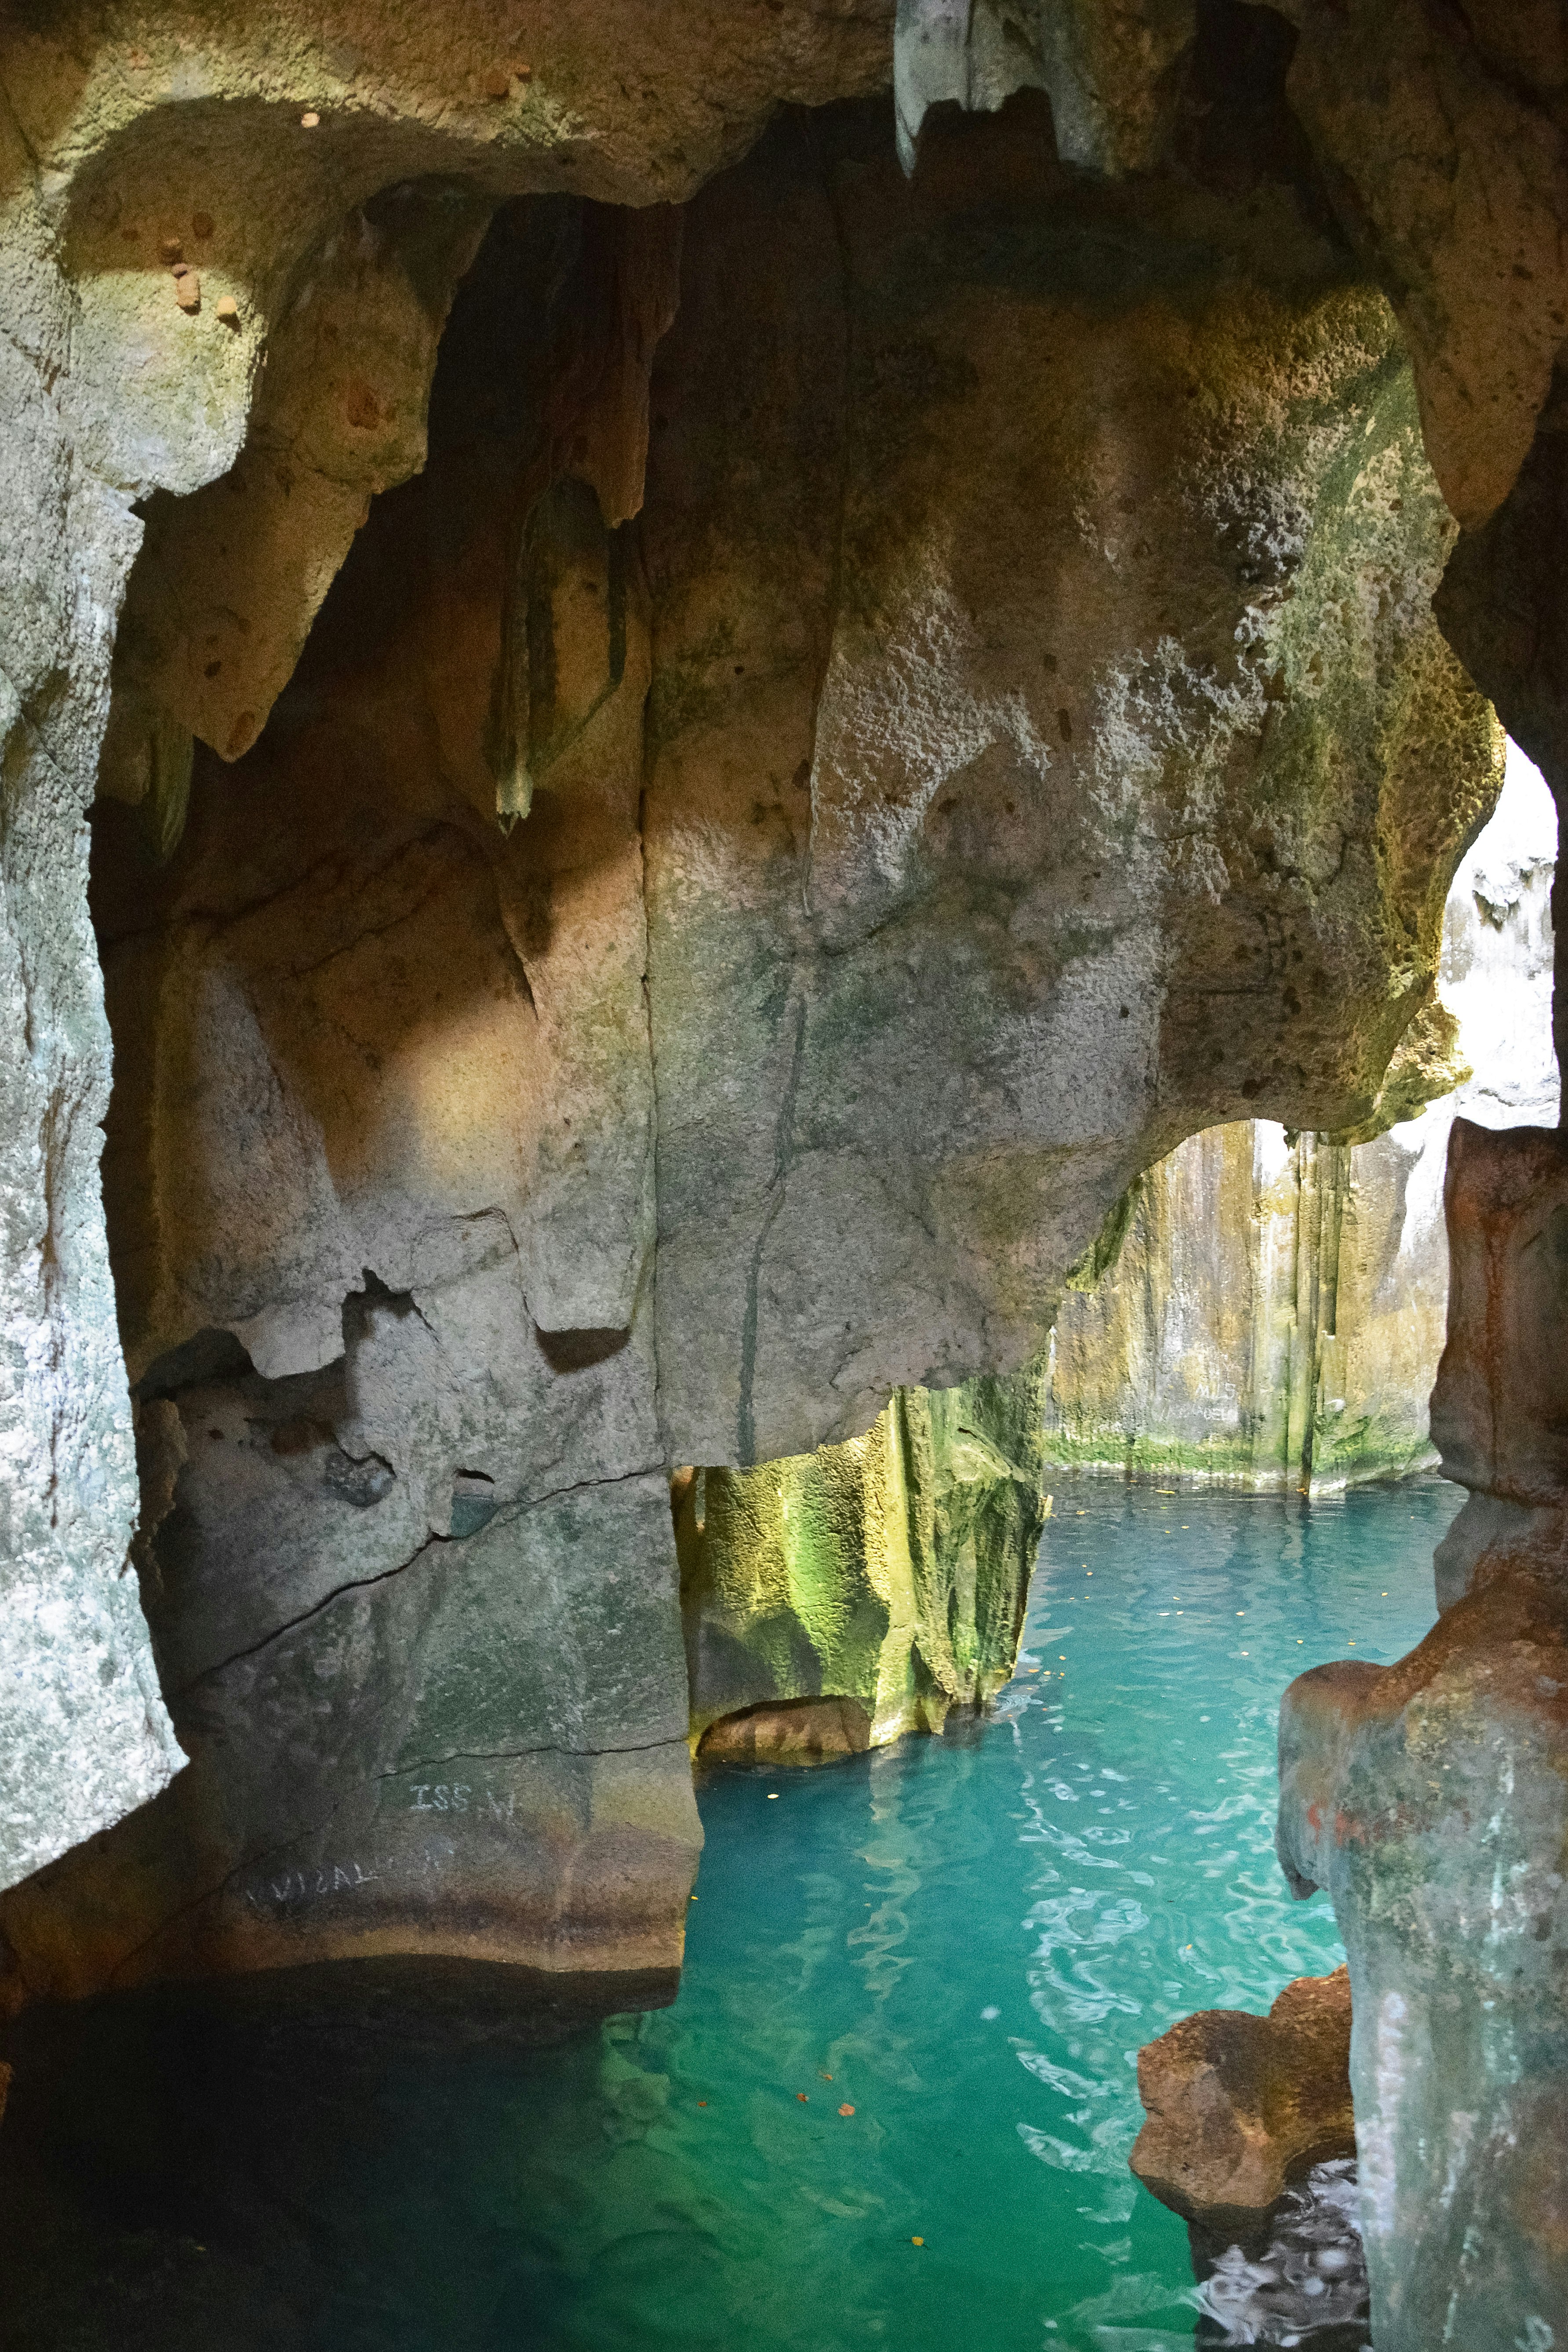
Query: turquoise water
{"points": [[966, 1941]]}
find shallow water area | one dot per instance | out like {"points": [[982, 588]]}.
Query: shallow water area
{"points": [[894, 2099]]}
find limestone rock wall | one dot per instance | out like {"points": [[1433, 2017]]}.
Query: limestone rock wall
{"points": [[1428, 1798], [1012, 737], [502, 1108], [1276, 1308], [161, 137], [165, 139], [891, 1569]]}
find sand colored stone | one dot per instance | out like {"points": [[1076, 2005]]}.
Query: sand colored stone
{"points": [[1239, 2105], [804, 1731], [502, 1108], [1276, 1304]]}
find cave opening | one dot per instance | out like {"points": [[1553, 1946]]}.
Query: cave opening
{"points": [[737, 860]]}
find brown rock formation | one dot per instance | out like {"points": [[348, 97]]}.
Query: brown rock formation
{"points": [[1012, 735], [801, 1731], [463, 1173], [1238, 2105]]}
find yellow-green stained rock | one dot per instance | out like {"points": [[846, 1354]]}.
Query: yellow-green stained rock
{"points": [[889, 1570], [1268, 1309]]}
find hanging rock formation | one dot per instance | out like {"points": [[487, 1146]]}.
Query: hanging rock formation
{"points": [[255, 150], [1275, 1309], [462, 1175], [649, 982], [886, 1576]]}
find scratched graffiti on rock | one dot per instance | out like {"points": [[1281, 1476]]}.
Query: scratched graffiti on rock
{"points": [[291, 1888], [460, 1797]]}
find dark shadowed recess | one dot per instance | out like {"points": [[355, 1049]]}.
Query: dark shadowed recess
{"points": [[165, 2155]]}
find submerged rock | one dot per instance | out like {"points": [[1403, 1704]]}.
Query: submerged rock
{"points": [[1239, 2105], [798, 1731]]}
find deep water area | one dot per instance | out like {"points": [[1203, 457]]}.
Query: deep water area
{"points": [[893, 2101]]}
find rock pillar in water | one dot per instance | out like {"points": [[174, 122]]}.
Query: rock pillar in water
{"points": [[1430, 1798], [837, 1600]]}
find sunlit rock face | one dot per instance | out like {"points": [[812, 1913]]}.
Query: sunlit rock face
{"points": [[888, 1574], [1027, 814], [1429, 1798], [250, 153], [1276, 1307], [651, 987]]}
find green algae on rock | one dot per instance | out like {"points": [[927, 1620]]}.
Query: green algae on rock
{"points": [[928, 869], [1268, 1309], [1241, 1335], [889, 1570]]}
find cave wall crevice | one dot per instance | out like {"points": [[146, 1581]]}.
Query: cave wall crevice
{"points": [[876, 742], [982, 723]]}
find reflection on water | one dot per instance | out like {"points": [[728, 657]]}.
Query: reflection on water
{"points": [[1303, 2284], [894, 2100]]}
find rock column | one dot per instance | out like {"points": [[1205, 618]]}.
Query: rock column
{"points": [[1430, 1798]]}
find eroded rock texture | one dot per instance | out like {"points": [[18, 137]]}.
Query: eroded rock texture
{"points": [[133, 144], [1276, 1307], [889, 705], [1429, 1798], [837, 1599], [1238, 2105], [652, 985]]}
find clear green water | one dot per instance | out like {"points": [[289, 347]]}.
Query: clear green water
{"points": [[971, 1938]]}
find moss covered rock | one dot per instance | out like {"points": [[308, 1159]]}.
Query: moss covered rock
{"points": [[889, 1571]]}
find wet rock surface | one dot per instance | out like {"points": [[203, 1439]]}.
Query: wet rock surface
{"points": [[1022, 666], [804, 1731], [1428, 1798], [170, 2159], [888, 1575], [1237, 2106]]}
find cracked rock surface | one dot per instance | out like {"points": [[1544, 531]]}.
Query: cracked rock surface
{"points": [[654, 984]]}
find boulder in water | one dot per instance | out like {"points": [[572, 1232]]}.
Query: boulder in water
{"points": [[796, 1731], [1239, 2105]]}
